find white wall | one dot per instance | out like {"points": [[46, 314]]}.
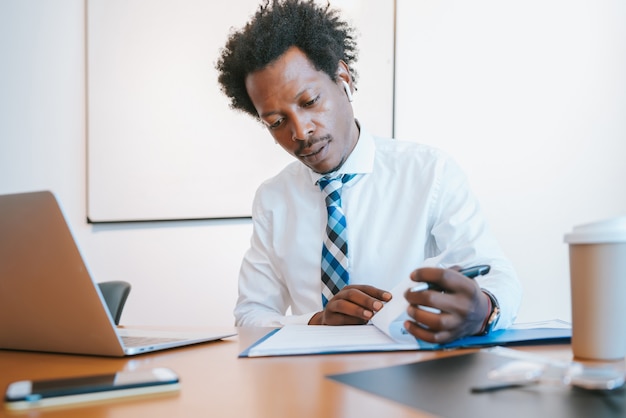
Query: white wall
{"points": [[530, 98], [552, 161]]}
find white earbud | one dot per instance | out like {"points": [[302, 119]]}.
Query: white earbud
{"points": [[346, 87]]}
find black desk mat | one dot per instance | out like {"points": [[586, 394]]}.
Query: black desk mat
{"points": [[442, 387]]}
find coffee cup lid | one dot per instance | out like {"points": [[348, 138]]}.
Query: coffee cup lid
{"points": [[607, 231]]}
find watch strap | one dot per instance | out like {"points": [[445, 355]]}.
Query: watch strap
{"points": [[494, 313]]}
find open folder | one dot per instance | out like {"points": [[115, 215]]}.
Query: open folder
{"points": [[324, 339], [386, 333]]}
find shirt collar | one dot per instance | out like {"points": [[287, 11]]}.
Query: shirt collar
{"points": [[360, 160]]}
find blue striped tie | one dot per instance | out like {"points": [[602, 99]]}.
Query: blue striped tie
{"points": [[335, 247]]}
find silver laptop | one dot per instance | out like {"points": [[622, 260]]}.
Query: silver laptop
{"points": [[48, 300]]}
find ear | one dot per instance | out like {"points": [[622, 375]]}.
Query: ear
{"points": [[344, 78]]}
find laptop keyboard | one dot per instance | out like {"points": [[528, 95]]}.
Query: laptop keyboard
{"points": [[134, 341]]}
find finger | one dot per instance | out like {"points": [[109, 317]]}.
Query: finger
{"points": [[428, 275], [459, 305], [437, 337], [449, 280], [433, 320], [372, 291], [359, 295], [348, 307], [335, 318], [427, 297], [343, 312]]}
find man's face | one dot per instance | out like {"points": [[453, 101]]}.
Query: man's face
{"points": [[306, 112]]}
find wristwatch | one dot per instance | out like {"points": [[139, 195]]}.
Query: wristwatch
{"points": [[494, 314]]}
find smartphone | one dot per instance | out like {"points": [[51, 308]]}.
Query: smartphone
{"points": [[26, 394]]}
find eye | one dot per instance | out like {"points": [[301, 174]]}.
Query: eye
{"points": [[312, 101], [275, 124]]}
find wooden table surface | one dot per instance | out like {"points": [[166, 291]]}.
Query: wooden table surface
{"points": [[216, 383]]}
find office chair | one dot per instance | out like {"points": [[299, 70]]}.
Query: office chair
{"points": [[115, 294]]}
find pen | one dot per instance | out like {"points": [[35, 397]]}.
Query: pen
{"points": [[470, 272], [501, 386]]}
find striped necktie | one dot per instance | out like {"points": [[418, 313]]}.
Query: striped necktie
{"points": [[335, 247]]}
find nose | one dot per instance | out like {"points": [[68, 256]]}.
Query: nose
{"points": [[302, 128]]}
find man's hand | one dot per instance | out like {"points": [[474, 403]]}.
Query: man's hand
{"points": [[462, 305], [353, 305]]}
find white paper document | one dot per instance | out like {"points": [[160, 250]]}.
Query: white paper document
{"points": [[390, 319], [386, 332], [325, 339]]}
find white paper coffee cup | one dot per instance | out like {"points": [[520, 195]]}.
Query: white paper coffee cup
{"points": [[597, 255]]}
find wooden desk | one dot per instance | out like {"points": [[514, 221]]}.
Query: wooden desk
{"points": [[214, 382]]}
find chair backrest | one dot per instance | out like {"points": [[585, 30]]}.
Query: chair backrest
{"points": [[115, 294]]}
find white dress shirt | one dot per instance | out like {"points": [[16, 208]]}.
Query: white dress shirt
{"points": [[409, 206]]}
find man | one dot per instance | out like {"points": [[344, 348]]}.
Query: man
{"points": [[407, 208]]}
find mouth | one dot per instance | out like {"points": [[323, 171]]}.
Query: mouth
{"points": [[311, 152], [315, 152]]}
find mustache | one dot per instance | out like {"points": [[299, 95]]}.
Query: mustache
{"points": [[304, 145]]}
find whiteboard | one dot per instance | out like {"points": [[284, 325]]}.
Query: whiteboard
{"points": [[162, 142]]}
